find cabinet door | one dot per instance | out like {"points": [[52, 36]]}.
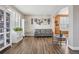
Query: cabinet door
{"points": [[1, 28], [7, 28]]}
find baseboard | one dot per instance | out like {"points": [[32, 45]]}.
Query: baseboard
{"points": [[28, 36], [73, 48], [17, 40]]}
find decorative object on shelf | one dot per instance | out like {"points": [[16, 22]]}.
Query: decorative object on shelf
{"points": [[2, 25], [57, 24], [1, 37], [56, 21], [1, 30]]}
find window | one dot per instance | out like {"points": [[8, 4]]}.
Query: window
{"points": [[16, 17], [64, 23], [18, 24]]}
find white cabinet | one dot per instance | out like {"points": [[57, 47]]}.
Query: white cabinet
{"points": [[17, 37], [4, 29]]}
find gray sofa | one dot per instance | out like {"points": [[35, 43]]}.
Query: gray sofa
{"points": [[43, 32]]}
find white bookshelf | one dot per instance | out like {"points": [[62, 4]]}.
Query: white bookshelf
{"points": [[4, 29]]}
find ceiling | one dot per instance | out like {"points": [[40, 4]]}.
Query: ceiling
{"points": [[39, 9]]}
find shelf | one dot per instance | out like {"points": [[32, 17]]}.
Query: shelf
{"points": [[1, 33]]}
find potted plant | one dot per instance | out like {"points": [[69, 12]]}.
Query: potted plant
{"points": [[61, 34], [17, 29]]}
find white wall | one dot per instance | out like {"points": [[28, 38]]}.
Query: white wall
{"points": [[70, 39], [64, 11], [74, 28], [30, 28]]}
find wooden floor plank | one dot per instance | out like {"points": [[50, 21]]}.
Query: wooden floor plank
{"points": [[33, 45]]}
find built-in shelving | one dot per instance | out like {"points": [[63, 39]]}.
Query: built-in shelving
{"points": [[4, 29], [1, 28]]}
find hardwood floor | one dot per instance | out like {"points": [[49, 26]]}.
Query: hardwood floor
{"points": [[32, 45]]}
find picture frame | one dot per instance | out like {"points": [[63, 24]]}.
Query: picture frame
{"points": [[48, 20]]}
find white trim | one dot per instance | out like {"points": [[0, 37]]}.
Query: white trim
{"points": [[73, 48], [5, 47], [17, 40]]}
